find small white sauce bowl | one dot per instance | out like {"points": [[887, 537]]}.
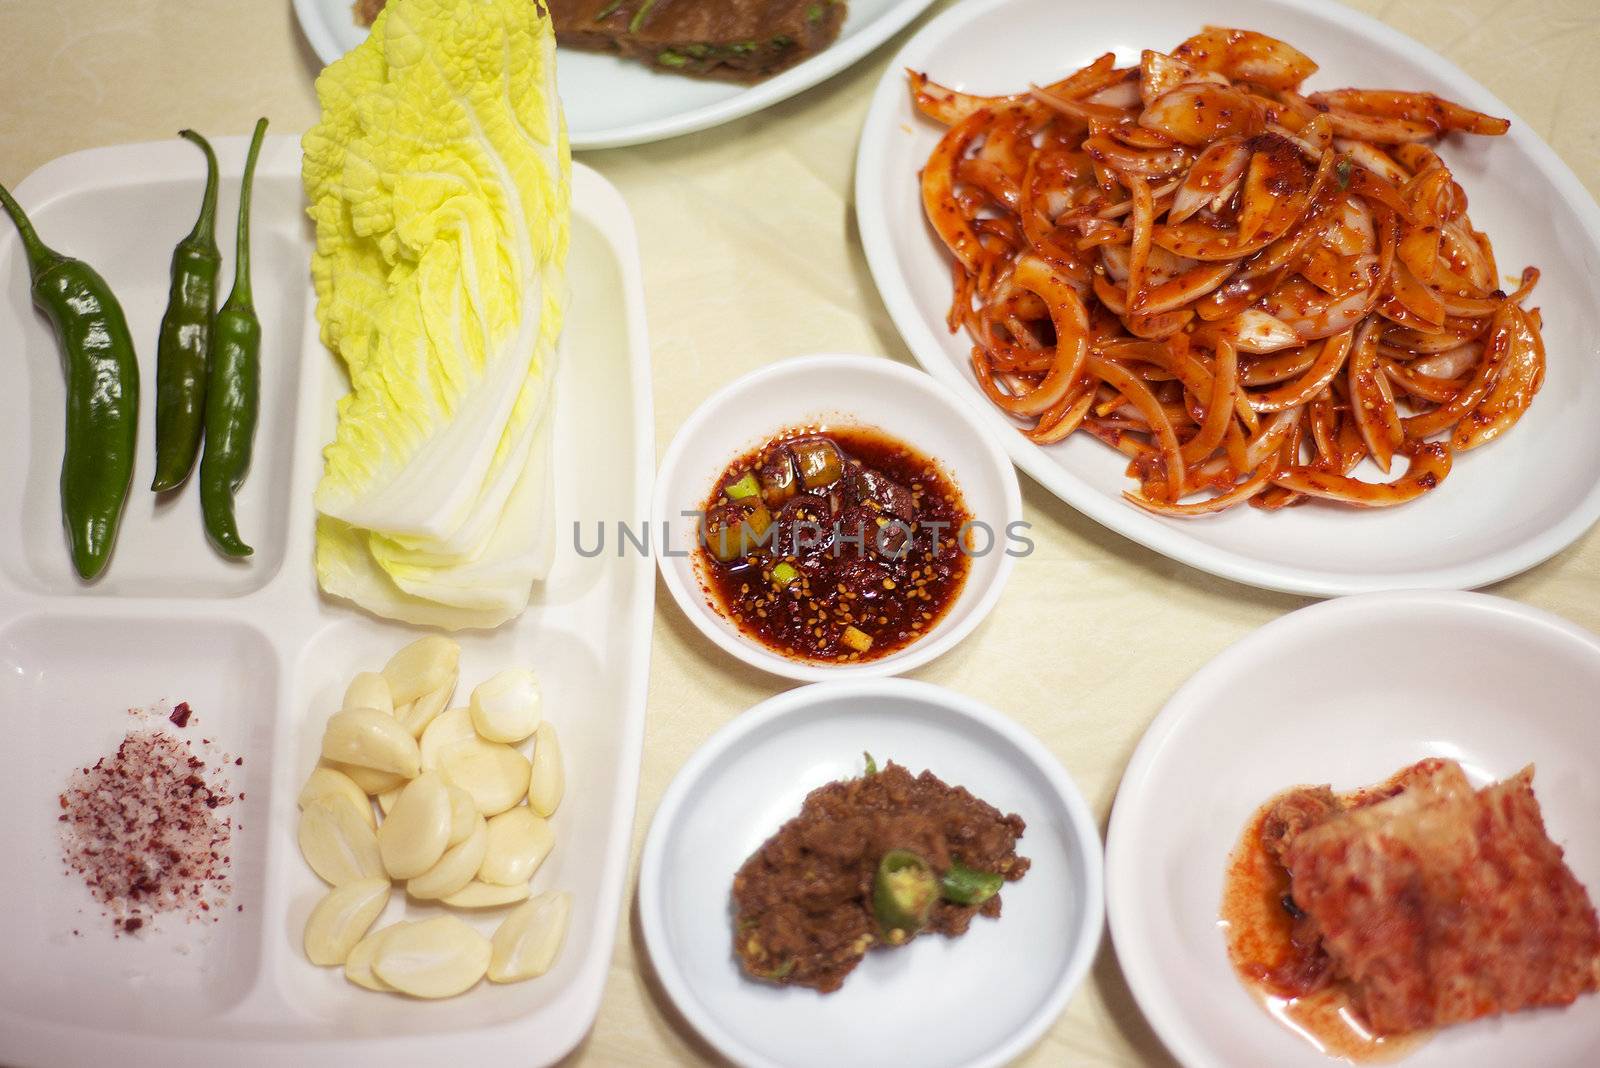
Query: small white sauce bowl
{"points": [[978, 1001], [831, 390]]}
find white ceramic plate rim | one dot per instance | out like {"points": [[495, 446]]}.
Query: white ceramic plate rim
{"points": [[1113, 513], [820, 67], [693, 603], [318, 35], [795, 703], [1135, 952]]}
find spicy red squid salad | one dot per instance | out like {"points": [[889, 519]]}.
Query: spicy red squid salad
{"points": [[1245, 289]]}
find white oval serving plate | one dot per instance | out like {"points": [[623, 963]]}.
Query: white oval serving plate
{"points": [[1346, 692], [978, 1000], [856, 391], [611, 102], [1504, 507]]}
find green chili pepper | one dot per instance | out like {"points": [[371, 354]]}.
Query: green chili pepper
{"points": [[737, 528], [903, 893], [819, 462], [102, 393], [967, 886], [639, 16], [185, 343], [745, 487], [777, 975], [233, 393]]}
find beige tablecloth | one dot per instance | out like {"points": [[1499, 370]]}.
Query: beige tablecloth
{"points": [[1092, 634]]}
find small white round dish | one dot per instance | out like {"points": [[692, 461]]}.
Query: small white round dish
{"points": [[1347, 692], [860, 391], [1504, 507], [981, 999], [611, 102]]}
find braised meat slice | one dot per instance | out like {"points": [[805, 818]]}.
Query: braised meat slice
{"points": [[739, 39], [1441, 904]]}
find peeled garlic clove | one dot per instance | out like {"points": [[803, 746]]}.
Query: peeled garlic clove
{"points": [[456, 868], [518, 843], [436, 958], [387, 799], [342, 917], [369, 690], [421, 667], [417, 830], [463, 814], [371, 739], [549, 779], [371, 781], [482, 895], [446, 730], [529, 940], [358, 965], [495, 774], [337, 843], [326, 781], [419, 713], [506, 707]]}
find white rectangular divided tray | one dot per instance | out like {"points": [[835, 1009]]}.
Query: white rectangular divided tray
{"points": [[263, 658]]}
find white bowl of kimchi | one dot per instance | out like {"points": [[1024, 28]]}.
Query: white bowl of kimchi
{"points": [[1501, 507], [1381, 683]]}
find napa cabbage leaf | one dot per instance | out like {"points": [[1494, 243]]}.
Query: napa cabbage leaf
{"points": [[439, 182]]}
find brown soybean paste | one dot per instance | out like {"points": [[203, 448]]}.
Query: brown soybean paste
{"points": [[803, 901]]}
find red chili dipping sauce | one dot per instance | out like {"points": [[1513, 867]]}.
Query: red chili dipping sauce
{"points": [[834, 545]]}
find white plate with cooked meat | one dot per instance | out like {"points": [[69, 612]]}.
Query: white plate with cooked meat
{"points": [[613, 101], [1501, 507], [1419, 902]]}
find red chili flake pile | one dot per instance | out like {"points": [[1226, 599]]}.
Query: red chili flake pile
{"points": [[144, 830]]}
